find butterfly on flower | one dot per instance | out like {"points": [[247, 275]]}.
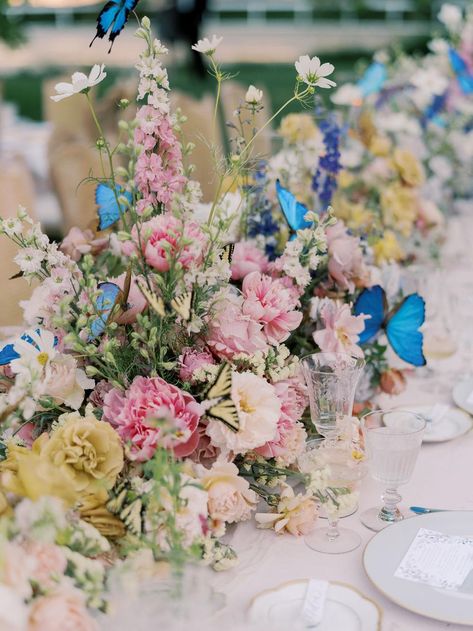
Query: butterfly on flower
{"points": [[110, 297], [113, 18], [401, 324], [217, 399], [109, 208], [37, 341], [128, 506], [460, 68], [373, 79], [293, 211], [181, 304], [227, 252]]}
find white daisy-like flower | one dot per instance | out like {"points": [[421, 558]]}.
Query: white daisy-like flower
{"points": [[29, 260], [80, 83], [253, 96], [10, 226], [35, 352], [207, 46], [451, 16], [313, 72]]}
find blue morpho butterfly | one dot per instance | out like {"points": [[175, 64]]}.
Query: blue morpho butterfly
{"points": [[113, 17], [464, 76], [293, 210], [110, 296], [373, 79], [401, 324], [8, 353], [432, 111], [108, 209]]}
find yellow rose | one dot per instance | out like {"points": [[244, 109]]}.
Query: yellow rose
{"points": [[399, 206], [356, 216], [93, 510], [86, 451], [409, 168], [380, 146], [298, 127], [388, 248]]}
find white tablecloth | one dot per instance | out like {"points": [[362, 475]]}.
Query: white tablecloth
{"points": [[442, 478]]}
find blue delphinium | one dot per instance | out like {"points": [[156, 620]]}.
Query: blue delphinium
{"points": [[324, 182], [261, 222]]}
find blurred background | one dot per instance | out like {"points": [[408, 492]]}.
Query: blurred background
{"points": [[47, 148]]}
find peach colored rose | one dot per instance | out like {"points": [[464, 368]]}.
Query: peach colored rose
{"points": [[63, 610], [230, 497], [392, 381], [50, 562], [295, 514], [65, 382]]}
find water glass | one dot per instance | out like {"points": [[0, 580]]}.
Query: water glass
{"points": [[331, 380], [392, 442]]}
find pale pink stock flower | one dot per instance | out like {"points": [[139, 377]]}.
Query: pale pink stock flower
{"points": [[192, 359], [247, 257], [295, 514], [63, 610], [267, 301], [342, 330], [345, 263], [232, 332], [153, 412]]}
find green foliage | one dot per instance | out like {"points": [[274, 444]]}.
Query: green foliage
{"points": [[11, 28]]}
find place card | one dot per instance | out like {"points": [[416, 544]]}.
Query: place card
{"points": [[437, 560], [314, 602]]}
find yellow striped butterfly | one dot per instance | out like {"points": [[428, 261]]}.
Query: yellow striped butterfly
{"points": [[182, 304], [219, 401]]}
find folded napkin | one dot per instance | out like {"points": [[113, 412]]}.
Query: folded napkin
{"points": [[314, 602]]}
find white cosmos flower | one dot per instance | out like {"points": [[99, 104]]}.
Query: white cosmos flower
{"points": [[253, 95], [29, 260], [312, 72], [207, 46], [34, 353], [80, 83], [451, 16]]}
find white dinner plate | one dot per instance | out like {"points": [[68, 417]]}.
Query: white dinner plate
{"points": [[452, 424], [386, 550], [461, 393], [345, 608]]}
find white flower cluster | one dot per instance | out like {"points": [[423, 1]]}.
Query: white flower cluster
{"points": [[154, 83], [40, 520]]}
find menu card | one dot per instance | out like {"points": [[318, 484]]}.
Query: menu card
{"points": [[437, 560]]}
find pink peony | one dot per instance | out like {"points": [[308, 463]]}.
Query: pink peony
{"points": [[191, 360], [50, 562], [342, 330], [136, 302], [232, 332], [345, 264], [153, 412], [63, 610], [165, 238], [267, 301], [247, 257]]}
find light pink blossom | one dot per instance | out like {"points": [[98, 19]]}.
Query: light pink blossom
{"points": [[192, 359], [63, 610], [345, 265], [268, 302], [50, 563], [153, 412], [247, 257], [78, 242], [341, 331]]}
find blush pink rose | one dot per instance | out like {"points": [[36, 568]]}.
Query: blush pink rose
{"points": [[153, 412], [269, 302], [342, 330], [247, 257], [232, 332], [50, 562], [191, 360], [63, 610], [345, 263], [165, 238], [136, 302]]}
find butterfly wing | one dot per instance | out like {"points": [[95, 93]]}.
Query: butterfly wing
{"points": [[403, 332], [371, 302], [154, 300], [106, 301], [227, 252], [107, 208], [373, 79], [226, 412], [121, 18], [7, 354], [222, 386], [131, 516], [460, 68], [182, 305], [293, 210], [106, 18]]}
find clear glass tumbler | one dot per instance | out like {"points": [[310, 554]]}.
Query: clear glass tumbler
{"points": [[392, 443], [331, 381]]}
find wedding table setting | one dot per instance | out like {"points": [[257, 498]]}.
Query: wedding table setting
{"points": [[251, 412]]}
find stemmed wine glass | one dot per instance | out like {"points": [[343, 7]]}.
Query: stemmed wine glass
{"points": [[331, 382], [392, 442]]}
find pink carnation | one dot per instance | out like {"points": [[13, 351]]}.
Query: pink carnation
{"points": [[247, 258], [345, 264], [191, 360], [153, 412], [269, 302], [342, 330], [231, 331], [164, 238]]}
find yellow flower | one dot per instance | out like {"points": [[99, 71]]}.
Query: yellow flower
{"points": [[366, 128], [93, 510], [85, 451], [388, 248], [399, 206], [380, 146], [345, 179], [409, 168], [356, 216], [298, 127]]}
